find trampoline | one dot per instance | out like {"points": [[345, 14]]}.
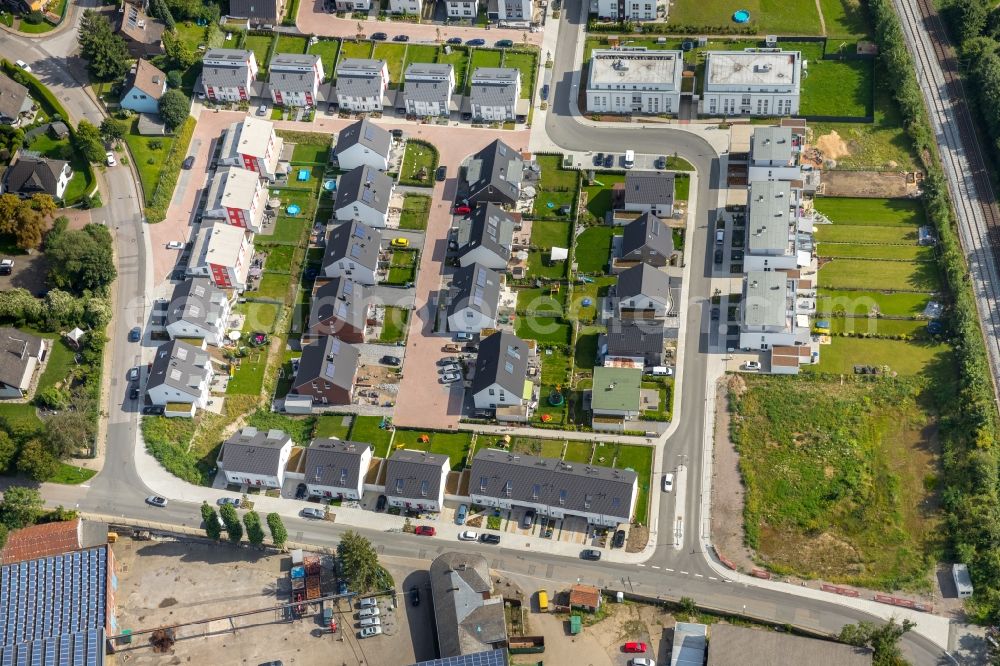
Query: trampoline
{"points": [[294, 209], [303, 175], [330, 185], [741, 16], [587, 302]]}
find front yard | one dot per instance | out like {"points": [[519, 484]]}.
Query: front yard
{"points": [[416, 209], [420, 160]]}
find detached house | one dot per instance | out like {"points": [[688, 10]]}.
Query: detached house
{"points": [[336, 468], [341, 308], [363, 144], [363, 194], [519, 11], [639, 340], [252, 144], [199, 309], [648, 192], [495, 94], [615, 398], [361, 84], [142, 33], [410, 7], [627, 10], [462, 9], [416, 480], [427, 89], [352, 251], [474, 299], [255, 458], [21, 355], [228, 75], [643, 292], [30, 174], [144, 86], [179, 379], [237, 196], [501, 378], [326, 371], [257, 12], [486, 237], [494, 174], [646, 239], [15, 103], [752, 82], [294, 79], [222, 253]]}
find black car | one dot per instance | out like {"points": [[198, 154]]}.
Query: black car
{"points": [[618, 540], [414, 596], [188, 162], [609, 161], [528, 519], [454, 40], [718, 256], [599, 159], [493, 539], [715, 314], [504, 43], [134, 393], [391, 360], [380, 503], [276, 662], [441, 173], [379, 37], [401, 38], [300, 491], [591, 554], [476, 42], [397, 134]]}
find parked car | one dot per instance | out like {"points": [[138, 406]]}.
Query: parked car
{"points": [[463, 209], [752, 365], [135, 334], [379, 36], [441, 173], [369, 611], [634, 647], [668, 483], [643, 661], [368, 632], [447, 360], [175, 245], [275, 662], [133, 374], [414, 596], [188, 162], [262, 110], [6, 266], [618, 540], [397, 134], [599, 159], [504, 43], [367, 602], [718, 256], [461, 514], [716, 313], [401, 38], [454, 40], [380, 503], [476, 42], [528, 519], [545, 92], [391, 360], [452, 348], [450, 377], [400, 242], [300, 491], [156, 500], [223, 501], [468, 535], [463, 337], [312, 512], [23, 65], [492, 539], [109, 158], [424, 530], [591, 554], [450, 368], [134, 393], [370, 622], [609, 161]]}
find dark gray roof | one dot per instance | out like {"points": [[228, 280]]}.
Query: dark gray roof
{"points": [[441, 70], [334, 463], [368, 134], [576, 487], [293, 82], [428, 91], [179, 366], [16, 347], [296, 61], [649, 188], [477, 287], [355, 241], [468, 617], [30, 174], [252, 451], [488, 226], [196, 301], [13, 98], [140, 27], [731, 645], [497, 165], [265, 11], [647, 231], [645, 280], [341, 299], [494, 86], [503, 360], [358, 86], [415, 475], [331, 360], [772, 144], [495, 75], [496, 657], [635, 337], [367, 185], [230, 72]]}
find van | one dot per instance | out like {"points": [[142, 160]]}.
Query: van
{"points": [[661, 371], [543, 601], [720, 236], [629, 159]]}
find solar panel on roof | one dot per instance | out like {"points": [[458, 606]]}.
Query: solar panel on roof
{"points": [[369, 132], [359, 231], [335, 346], [348, 287], [356, 251], [481, 278], [367, 195]]}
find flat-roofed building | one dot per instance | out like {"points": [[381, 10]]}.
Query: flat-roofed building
{"points": [[776, 237], [238, 197], [729, 645], [634, 80], [223, 253], [768, 316], [753, 82], [252, 144]]}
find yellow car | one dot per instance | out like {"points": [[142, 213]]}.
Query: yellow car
{"points": [[401, 242]]}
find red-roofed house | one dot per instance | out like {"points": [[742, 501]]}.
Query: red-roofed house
{"points": [[37, 541]]}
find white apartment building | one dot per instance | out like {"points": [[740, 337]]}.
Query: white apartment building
{"points": [[294, 79], [462, 9], [627, 10], [768, 318], [635, 80], [495, 93], [774, 154], [519, 11], [753, 82], [777, 237], [412, 7]]}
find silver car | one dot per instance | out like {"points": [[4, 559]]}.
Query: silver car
{"points": [[371, 611], [368, 632], [450, 377], [310, 512], [368, 602], [370, 622]]}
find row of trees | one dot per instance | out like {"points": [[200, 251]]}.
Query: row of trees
{"points": [[25, 220], [230, 520]]}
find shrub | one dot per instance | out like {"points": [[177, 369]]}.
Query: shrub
{"points": [[156, 211]]}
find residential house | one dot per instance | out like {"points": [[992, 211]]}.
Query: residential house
{"points": [[362, 84], [352, 5], [468, 614], [643, 292], [223, 253], [427, 89], [495, 93], [48, 539], [336, 468], [258, 12], [462, 9], [21, 356], [648, 192], [326, 371], [627, 10], [501, 378], [777, 238], [516, 11], [30, 174], [752, 82], [142, 33], [16, 105], [144, 86], [363, 144], [615, 397], [363, 194], [494, 174], [228, 75], [767, 312], [586, 597], [416, 479], [406, 7], [252, 144], [648, 240], [340, 307], [602, 496], [256, 458], [486, 237], [179, 378], [641, 340], [294, 78], [352, 251], [775, 153], [634, 79], [474, 299], [238, 197], [199, 309]]}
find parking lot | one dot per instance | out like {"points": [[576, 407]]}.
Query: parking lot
{"points": [[29, 272]]}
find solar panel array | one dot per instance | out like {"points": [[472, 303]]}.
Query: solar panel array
{"points": [[490, 658], [52, 610]]}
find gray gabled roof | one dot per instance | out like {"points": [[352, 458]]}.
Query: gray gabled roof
{"points": [[572, 487], [13, 98], [328, 359], [367, 185], [368, 134], [355, 241], [647, 230], [415, 475], [178, 365], [258, 10], [358, 86], [232, 74], [649, 188], [292, 82], [196, 301], [468, 617], [428, 91], [643, 279], [16, 348], [30, 174], [503, 360], [489, 226], [428, 69], [252, 451], [635, 337], [476, 287], [334, 463], [497, 165], [339, 299], [362, 66]]}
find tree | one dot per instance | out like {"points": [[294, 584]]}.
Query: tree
{"points": [[279, 535], [232, 521], [25, 219], [174, 78], [8, 452], [255, 533], [179, 54], [68, 431], [174, 106], [104, 51], [3, 535], [361, 565], [30, 228], [36, 461], [81, 260], [882, 638], [52, 397], [87, 141], [112, 130], [211, 519], [21, 506]]}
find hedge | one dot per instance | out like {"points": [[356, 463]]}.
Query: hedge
{"points": [[156, 211]]}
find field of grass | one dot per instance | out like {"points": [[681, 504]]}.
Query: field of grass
{"points": [[149, 152], [544, 448], [419, 158], [273, 286], [895, 275], [527, 63], [872, 251], [838, 88], [540, 302], [585, 352], [312, 152], [578, 452], [260, 45], [871, 212], [459, 59], [19, 417], [366, 429], [71, 475], [639, 459], [554, 177], [845, 233], [333, 425], [599, 287], [845, 19], [599, 194], [593, 249], [327, 50], [299, 428], [836, 479], [416, 209], [288, 230], [549, 204], [456, 445], [858, 303], [555, 367], [353, 49], [291, 44], [60, 359], [258, 316], [394, 325], [871, 326], [279, 258], [905, 358], [420, 53], [550, 234], [393, 54], [403, 268], [766, 16], [540, 266]]}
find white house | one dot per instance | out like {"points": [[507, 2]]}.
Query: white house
{"points": [[462, 9], [255, 458], [252, 144], [634, 80], [179, 378], [410, 7], [363, 194], [336, 468], [352, 251], [352, 5], [237, 196], [649, 192], [416, 480], [363, 144], [767, 312], [501, 378], [486, 237], [227, 75], [774, 154], [774, 239], [361, 84], [222, 253], [144, 86], [753, 82], [427, 89], [294, 79], [627, 10], [21, 355], [495, 93], [514, 11], [643, 292], [29, 174], [474, 299], [199, 309]]}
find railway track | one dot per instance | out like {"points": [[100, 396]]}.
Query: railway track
{"points": [[969, 183]]}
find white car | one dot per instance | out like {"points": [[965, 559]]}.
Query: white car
{"points": [[111, 159], [368, 632], [133, 374], [23, 65], [175, 245], [451, 367], [370, 622], [450, 377], [468, 535], [311, 512], [643, 661], [668, 483], [752, 365], [371, 611], [368, 602]]}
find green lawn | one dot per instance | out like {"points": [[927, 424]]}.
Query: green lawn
{"points": [[540, 266], [366, 429], [592, 290], [845, 233], [312, 153], [291, 44], [640, 460], [419, 159], [279, 257], [420, 53], [392, 53], [71, 475], [299, 428], [556, 365], [273, 286], [149, 152], [593, 249], [258, 316], [546, 330], [845, 19], [483, 58], [599, 194], [333, 425], [540, 302], [798, 17], [249, 376], [527, 63], [870, 251], [578, 452], [554, 177], [895, 275], [327, 50], [459, 59], [870, 326], [872, 212], [838, 88], [544, 448], [416, 209], [60, 360], [288, 230], [550, 234], [77, 187], [261, 46], [906, 358], [550, 204], [19, 417], [403, 268], [859, 303], [394, 325], [456, 445], [585, 353], [353, 49]]}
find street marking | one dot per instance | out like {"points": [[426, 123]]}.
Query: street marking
{"points": [[670, 570], [685, 573], [698, 576], [655, 567], [641, 564], [712, 578]]}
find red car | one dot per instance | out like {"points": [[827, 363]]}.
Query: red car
{"points": [[634, 647], [424, 530], [462, 209]]}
